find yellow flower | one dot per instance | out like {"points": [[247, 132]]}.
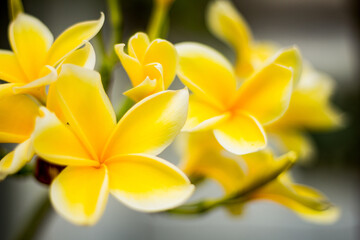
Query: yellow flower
{"points": [[237, 116], [309, 107], [28, 70], [103, 156], [151, 66], [34, 49], [259, 176]]}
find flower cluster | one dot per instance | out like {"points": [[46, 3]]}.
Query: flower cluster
{"points": [[243, 124]]}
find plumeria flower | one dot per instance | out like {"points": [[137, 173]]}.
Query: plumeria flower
{"points": [[103, 156], [236, 115], [151, 66], [28, 70], [260, 175], [309, 108], [34, 50]]}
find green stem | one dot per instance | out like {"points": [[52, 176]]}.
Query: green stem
{"points": [[15, 7], [125, 106], [36, 221], [238, 197], [109, 58], [157, 20]]}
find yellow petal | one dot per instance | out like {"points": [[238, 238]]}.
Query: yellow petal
{"points": [[290, 58], [16, 159], [72, 38], [150, 125], [227, 24], [37, 87], [56, 143], [131, 65], [304, 201], [79, 194], [310, 106], [17, 118], [163, 52], [153, 83], [7, 89], [10, 69], [142, 90], [30, 40], [84, 57], [147, 183], [202, 116], [206, 73], [202, 155], [78, 98], [241, 134], [137, 46], [266, 95]]}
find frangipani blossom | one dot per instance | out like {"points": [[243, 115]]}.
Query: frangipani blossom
{"points": [[34, 49], [151, 66], [103, 156], [236, 115], [309, 108], [19, 110], [260, 175]]}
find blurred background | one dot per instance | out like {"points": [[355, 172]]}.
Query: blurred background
{"points": [[327, 33]]}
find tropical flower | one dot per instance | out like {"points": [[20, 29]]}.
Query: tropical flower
{"points": [[103, 156], [34, 49], [255, 176], [309, 107], [236, 116], [151, 66]]}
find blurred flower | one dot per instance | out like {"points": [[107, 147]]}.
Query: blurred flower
{"points": [[101, 156], [255, 176], [151, 66], [34, 49], [309, 106], [237, 116]]}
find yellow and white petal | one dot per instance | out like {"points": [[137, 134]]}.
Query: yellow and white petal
{"points": [[40, 82], [142, 90], [290, 58], [10, 69], [137, 46], [225, 22], [16, 159], [163, 52], [79, 99], [151, 125], [83, 57], [207, 73], [17, 118], [202, 116], [266, 95], [7, 89], [56, 143], [72, 38], [30, 40], [241, 134], [308, 203], [131, 65], [147, 183], [80, 194]]}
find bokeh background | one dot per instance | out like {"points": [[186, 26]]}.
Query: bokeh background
{"points": [[327, 33]]}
